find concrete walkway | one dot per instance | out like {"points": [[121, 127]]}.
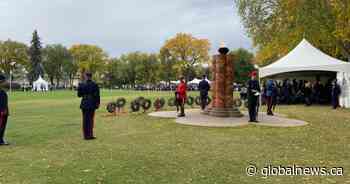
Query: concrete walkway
{"points": [[194, 117]]}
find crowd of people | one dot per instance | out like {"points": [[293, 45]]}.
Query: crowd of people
{"points": [[299, 92], [302, 91]]}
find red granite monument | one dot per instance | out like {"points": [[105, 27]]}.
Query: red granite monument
{"points": [[222, 104]]}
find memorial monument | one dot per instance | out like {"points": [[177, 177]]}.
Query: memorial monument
{"points": [[222, 104]]}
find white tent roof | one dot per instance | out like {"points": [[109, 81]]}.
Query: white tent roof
{"points": [[175, 82], [40, 85], [305, 57], [40, 81], [195, 81]]}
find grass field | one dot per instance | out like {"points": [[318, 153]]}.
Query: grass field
{"points": [[47, 146]]}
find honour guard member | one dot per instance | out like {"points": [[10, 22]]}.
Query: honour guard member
{"points": [[89, 91], [4, 111], [253, 97]]}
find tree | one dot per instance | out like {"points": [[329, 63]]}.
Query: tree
{"points": [[36, 67], [243, 64], [147, 68], [54, 59], [13, 55], [70, 70], [167, 70], [187, 51], [276, 26], [139, 68], [116, 73], [130, 62], [341, 17], [89, 58]]}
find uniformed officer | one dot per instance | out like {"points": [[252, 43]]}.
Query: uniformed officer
{"points": [[336, 91], [4, 111], [181, 96], [253, 97], [89, 91], [204, 88]]}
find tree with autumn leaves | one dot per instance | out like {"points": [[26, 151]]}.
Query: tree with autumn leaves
{"points": [[187, 51], [277, 26], [181, 55], [89, 58]]}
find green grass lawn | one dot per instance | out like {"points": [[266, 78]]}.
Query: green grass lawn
{"points": [[47, 146]]}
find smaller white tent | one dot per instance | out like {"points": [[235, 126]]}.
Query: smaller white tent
{"points": [[194, 81], [40, 85], [175, 82]]}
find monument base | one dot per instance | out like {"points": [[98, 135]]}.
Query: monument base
{"points": [[223, 112]]}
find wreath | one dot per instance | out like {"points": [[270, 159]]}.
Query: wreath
{"points": [[111, 107], [237, 103], [208, 100], [198, 100], [140, 99], [189, 101], [121, 102], [172, 102], [135, 106], [159, 103], [146, 104]]}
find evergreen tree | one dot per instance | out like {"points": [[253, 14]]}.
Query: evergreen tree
{"points": [[36, 67]]}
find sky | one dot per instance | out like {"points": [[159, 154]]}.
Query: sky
{"points": [[122, 26]]}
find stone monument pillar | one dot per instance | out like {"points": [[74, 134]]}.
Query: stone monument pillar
{"points": [[222, 86]]}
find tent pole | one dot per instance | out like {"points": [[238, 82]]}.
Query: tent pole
{"points": [[260, 100]]}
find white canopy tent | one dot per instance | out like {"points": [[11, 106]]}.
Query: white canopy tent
{"points": [[194, 81], [40, 85], [175, 82], [197, 81], [305, 57]]}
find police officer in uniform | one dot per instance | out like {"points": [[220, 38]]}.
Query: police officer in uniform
{"points": [[253, 96], [4, 111], [181, 96], [89, 91], [204, 87]]}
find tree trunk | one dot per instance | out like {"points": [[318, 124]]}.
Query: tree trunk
{"points": [[70, 81], [57, 81], [51, 80]]}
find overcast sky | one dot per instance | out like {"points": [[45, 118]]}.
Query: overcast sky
{"points": [[121, 26]]}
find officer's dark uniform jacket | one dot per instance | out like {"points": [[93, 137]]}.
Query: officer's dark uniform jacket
{"points": [[3, 101], [253, 85], [252, 88], [3, 114], [90, 93], [204, 87]]}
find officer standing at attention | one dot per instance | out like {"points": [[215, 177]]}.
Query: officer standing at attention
{"points": [[253, 97], [4, 111], [336, 91], [89, 91], [181, 96], [204, 87]]}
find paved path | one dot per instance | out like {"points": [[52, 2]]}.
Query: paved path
{"points": [[194, 117]]}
